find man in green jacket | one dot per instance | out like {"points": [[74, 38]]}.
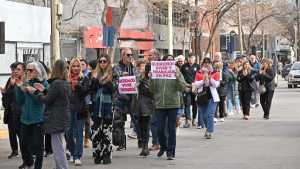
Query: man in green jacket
{"points": [[167, 95]]}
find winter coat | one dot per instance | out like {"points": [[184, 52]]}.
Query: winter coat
{"points": [[168, 92], [145, 105], [77, 102], [57, 101], [267, 79], [246, 82], [102, 99], [12, 110], [32, 109], [189, 72], [223, 88]]}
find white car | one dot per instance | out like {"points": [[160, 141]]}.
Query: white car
{"points": [[294, 75]]}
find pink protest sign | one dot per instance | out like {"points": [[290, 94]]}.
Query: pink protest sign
{"points": [[163, 70], [127, 85]]}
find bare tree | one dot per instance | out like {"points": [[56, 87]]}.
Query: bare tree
{"points": [[74, 12], [212, 16]]}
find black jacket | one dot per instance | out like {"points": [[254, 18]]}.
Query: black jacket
{"points": [[57, 111], [189, 72], [245, 82], [77, 101], [267, 79], [223, 88], [145, 105], [12, 111]]}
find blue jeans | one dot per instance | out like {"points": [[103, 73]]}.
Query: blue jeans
{"points": [[208, 113], [75, 136], [154, 128], [230, 99], [167, 131], [237, 103]]}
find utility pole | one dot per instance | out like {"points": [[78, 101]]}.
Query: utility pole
{"points": [[56, 12], [170, 26], [298, 31], [240, 28]]}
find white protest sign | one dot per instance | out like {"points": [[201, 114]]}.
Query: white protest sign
{"points": [[127, 85], [163, 70]]}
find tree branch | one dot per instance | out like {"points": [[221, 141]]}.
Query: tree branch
{"points": [[73, 12]]}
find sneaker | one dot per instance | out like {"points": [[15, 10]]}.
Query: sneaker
{"points": [[246, 117], [205, 134], [68, 155], [23, 166], [145, 152], [193, 122], [160, 153], [78, 162], [230, 113], [170, 156], [121, 148], [13, 155], [222, 120], [215, 120], [72, 160], [132, 135], [209, 135], [187, 124], [199, 127]]}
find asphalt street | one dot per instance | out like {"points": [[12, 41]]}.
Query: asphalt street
{"points": [[237, 144]]}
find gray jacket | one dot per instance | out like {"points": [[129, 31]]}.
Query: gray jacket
{"points": [[57, 112]]}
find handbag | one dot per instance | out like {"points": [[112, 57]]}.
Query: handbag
{"points": [[262, 89], [203, 97]]}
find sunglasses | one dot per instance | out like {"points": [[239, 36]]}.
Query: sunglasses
{"points": [[129, 54], [102, 61], [30, 70]]}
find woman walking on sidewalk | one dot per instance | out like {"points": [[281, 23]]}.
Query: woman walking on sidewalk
{"points": [[207, 80], [32, 118], [57, 112], [267, 86], [245, 78], [79, 87], [102, 89]]}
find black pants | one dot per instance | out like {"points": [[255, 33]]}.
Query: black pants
{"points": [[245, 97], [144, 122], [14, 132], [266, 101], [48, 146], [222, 107], [32, 140], [190, 100]]}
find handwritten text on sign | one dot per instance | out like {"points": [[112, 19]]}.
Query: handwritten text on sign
{"points": [[127, 85], [163, 69]]}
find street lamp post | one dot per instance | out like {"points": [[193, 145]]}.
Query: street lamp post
{"points": [[56, 13]]}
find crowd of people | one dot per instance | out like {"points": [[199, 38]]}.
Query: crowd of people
{"points": [[79, 102]]}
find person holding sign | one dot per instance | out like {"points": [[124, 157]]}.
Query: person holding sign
{"points": [[167, 95], [124, 102], [102, 89]]}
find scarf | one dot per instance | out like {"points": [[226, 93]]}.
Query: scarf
{"points": [[73, 78]]}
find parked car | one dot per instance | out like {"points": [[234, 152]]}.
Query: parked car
{"points": [[285, 71], [294, 75]]}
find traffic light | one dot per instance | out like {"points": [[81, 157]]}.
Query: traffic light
{"points": [[2, 37]]}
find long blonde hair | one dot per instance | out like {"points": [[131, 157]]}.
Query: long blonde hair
{"points": [[70, 67], [104, 75]]}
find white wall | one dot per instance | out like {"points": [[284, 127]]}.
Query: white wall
{"points": [[25, 23]]}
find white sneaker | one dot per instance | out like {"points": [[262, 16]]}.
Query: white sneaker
{"points": [[215, 120], [132, 135], [72, 160], [199, 127], [222, 120], [77, 162], [230, 113]]}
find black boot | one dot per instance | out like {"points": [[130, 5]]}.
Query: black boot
{"points": [[140, 144], [145, 151]]}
